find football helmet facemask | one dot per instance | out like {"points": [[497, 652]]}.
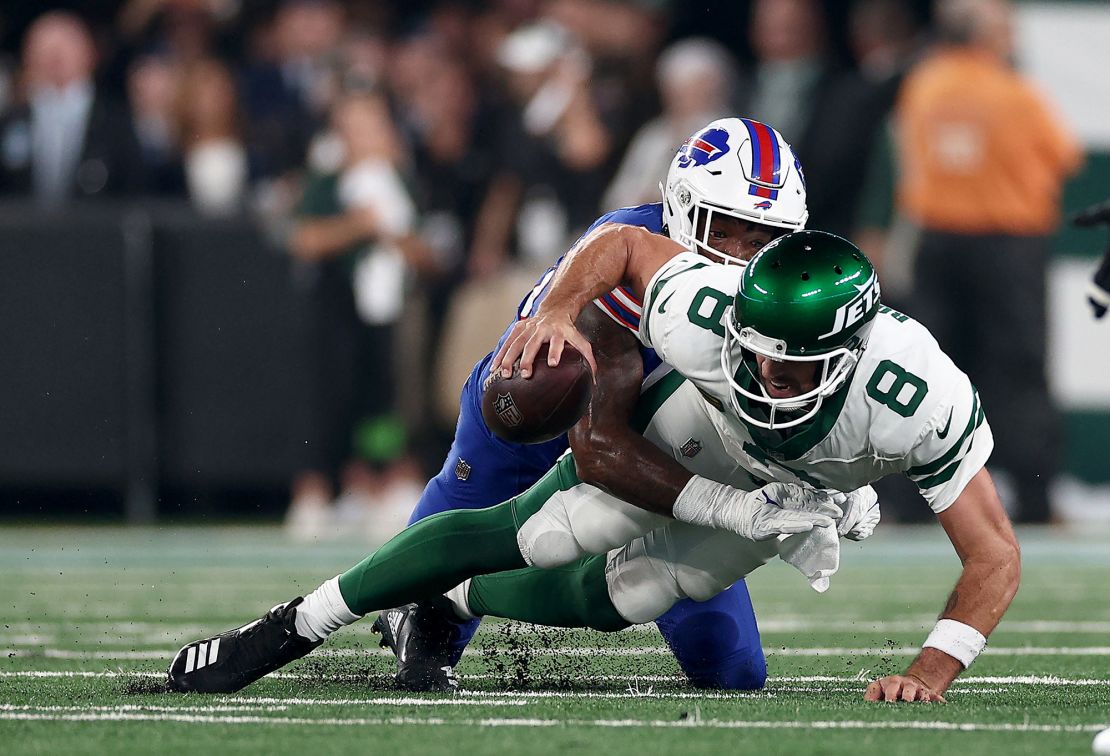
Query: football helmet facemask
{"points": [[811, 297]]}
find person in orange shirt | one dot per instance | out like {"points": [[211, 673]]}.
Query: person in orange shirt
{"points": [[982, 159]]}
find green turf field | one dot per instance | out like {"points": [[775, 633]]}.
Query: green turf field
{"points": [[92, 616]]}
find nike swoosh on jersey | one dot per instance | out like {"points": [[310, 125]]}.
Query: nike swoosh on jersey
{"points": [[942, 434], [663, 304]]}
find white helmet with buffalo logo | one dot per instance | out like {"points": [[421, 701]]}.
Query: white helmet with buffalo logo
{"points": [[738, 167]]}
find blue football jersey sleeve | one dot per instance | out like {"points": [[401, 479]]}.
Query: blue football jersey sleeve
{"points": [[482, 470]]}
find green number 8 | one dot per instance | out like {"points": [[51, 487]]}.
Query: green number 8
{"points": [[888, 397]]}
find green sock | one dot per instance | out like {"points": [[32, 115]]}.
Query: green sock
{"points": [[572, 596], [434, 555]]}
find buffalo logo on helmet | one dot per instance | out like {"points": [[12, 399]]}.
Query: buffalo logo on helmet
{"points": [[703, 147], [764, 205], [506, 409]]}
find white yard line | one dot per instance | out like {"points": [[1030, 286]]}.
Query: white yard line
{"points": [[694, 723], [244, 703], [141, 708], [586, 651], [146, 632], [970, 679], [912, 651]]}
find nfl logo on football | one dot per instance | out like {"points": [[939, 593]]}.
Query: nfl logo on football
{"points": [[506, 409]]}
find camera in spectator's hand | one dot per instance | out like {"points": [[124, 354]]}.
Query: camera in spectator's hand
{"points": [[1098, 293]]}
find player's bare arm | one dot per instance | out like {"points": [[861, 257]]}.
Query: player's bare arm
{"points": [[982, 536], [613, 255], [608, 453]]}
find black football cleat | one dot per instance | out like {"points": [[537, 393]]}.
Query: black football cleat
{"points": [[233, 660], [420, 636]]}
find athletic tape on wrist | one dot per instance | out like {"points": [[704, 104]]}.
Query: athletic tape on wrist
{"points": [[961, 642], [697, 501]]}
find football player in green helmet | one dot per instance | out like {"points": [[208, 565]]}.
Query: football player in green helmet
{"points": [[812, 380]]}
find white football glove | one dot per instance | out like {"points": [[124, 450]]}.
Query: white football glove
{"points": [[861, 513], [775, 509]]}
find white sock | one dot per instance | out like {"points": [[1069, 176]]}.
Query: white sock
{"points": [[323, 612], [457, 597]]}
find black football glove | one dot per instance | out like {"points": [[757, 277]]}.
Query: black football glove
{"points": [[1098, 292]]}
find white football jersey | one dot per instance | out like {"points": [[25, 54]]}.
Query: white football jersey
{"points": [[905, 409]]}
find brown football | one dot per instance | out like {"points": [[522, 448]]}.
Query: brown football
{"points": [[540, 408]]}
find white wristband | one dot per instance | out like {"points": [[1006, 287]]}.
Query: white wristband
{"points": [[961, 642]]}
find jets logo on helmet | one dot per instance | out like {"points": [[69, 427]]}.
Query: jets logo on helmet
{"points": [[849, 314], [719, 170], [702, 148]]}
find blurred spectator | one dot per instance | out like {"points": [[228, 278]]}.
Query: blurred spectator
{"points": [[354, 228], [152, 82], [886, 38], [623, 38], [363, 58], [67, 140], [213, 153], [612, 28], [184, 30], [829, 116], [287, 95], [982, 158], [552, 150], [452, 161], [695, 77]]}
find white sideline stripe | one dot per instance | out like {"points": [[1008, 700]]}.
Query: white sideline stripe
{"points": [[202, 659], [121, 716], [633, 679]]}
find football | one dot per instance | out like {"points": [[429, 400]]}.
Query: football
{"points": [[542, 407]]}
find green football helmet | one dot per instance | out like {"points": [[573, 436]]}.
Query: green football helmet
{"points": [[809, 296]]}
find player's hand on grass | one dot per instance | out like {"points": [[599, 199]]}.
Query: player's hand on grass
{"points": [[528, 335], [861, 513], [908, 688]]}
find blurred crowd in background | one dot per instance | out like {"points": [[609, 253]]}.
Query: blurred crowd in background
{"points": [[421, 160]]}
